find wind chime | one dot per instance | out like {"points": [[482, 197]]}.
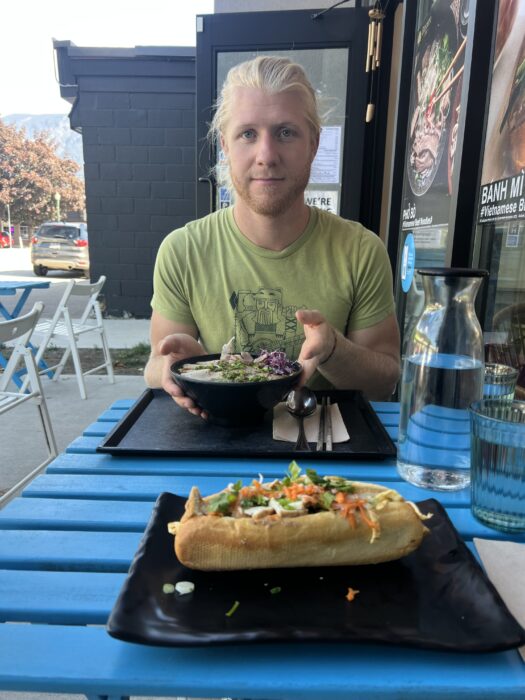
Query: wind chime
{"points": [[373, 53]]}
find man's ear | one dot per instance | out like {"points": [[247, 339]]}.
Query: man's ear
{"points": [[224, 145], [315, 145]]}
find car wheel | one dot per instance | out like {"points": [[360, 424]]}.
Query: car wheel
{"points": [[40, 270]]}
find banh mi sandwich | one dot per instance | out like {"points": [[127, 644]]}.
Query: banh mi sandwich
{"points": [[300, 520]]}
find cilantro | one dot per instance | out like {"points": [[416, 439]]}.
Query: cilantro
{"points": [[326, 499], [256, 500], [314, 477], [275, 590], [222, 503], [341, 484], [294, 470]]}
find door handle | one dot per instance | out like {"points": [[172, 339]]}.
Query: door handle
{"points": [[211, 185]]}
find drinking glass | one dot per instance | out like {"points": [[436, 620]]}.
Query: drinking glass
{"points": [[498, 463], [499, 382]]}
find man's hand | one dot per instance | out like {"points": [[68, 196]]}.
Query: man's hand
{"points": [[174, 347], [318, 343], [170, 342], [366, 360]]}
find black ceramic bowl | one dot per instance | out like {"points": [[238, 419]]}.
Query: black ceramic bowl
{"points": [[233, 403]]}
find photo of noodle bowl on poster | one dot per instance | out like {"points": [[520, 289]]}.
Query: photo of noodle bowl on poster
{"points": [[434, 89], [434, 115]]}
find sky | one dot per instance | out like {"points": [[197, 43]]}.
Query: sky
{"points": [[27, 62]]}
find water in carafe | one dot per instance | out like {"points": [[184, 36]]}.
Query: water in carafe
{"points": [[442, 375]]}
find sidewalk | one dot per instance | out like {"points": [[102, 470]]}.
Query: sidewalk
{"points": [[21, 434]]}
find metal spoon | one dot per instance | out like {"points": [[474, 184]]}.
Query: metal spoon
{"points": [[300, 403]]}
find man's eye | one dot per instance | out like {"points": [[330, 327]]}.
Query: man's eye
{"points": [[286, 133], [248, 134]]}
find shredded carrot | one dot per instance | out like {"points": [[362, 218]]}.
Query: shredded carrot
{"points": [[365, 516], [350, 516], [351, 594]]}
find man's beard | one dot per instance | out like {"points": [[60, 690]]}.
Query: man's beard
{"points": [[272, 201]]}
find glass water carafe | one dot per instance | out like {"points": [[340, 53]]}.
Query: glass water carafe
{"points": [[442, 375]]}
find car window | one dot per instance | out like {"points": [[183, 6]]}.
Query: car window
{"points": [[65, 232]]}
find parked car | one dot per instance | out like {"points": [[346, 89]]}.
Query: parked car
{"points": [[4, 239], [60, 246]]}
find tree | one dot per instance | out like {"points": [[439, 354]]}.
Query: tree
{"points": [[31, 173]]}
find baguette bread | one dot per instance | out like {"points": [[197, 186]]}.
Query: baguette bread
{"points": [[366, 524]]}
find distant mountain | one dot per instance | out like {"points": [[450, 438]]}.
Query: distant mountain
{"points": [[69, 143]]}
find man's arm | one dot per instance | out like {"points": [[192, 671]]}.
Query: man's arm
{"points": [[170, 341], [366, 359]]}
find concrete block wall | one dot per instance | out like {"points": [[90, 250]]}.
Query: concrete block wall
{"points": [[136, 114]]}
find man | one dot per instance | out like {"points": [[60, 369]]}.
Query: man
{"points": [[270, 270]]}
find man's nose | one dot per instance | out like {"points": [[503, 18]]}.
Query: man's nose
{"points": [[266, 149]]}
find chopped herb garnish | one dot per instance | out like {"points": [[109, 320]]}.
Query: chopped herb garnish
{"points": [[340, 484], [275, 590], [326, 499], [222, 503], [233, 609], [314, 477], [256, 500], [294, 471]]}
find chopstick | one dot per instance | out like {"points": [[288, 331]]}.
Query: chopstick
{"points": [[320, 435], [449, 85], [452, 64], [328, 425], [432, 101]]}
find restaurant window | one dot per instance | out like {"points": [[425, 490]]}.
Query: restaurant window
{"points": [[500, 230]]}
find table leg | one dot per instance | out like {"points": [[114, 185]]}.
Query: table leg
{"points": [[5, 313], [9, 317]]}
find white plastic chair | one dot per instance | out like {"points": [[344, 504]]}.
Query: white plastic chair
{"points": [[17, 334], [63, 326]]}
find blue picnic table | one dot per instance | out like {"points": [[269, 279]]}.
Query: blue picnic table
{"points": [[65, 548]]}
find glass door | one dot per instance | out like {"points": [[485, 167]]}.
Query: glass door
{"points": [[327, 70], [332, 50]]}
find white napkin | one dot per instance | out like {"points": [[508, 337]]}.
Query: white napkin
{"points": [[286, 426], [504, 564]]}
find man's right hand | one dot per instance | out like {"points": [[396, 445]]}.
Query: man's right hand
{"points": [[173, 348]]}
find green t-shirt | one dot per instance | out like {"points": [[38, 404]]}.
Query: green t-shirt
{"points": [[209, 275]]}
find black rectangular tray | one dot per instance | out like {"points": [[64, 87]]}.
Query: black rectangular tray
{"points": [[156, 425], [438, 597]]}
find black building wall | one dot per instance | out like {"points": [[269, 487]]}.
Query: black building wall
{"points": [[135, 109]]}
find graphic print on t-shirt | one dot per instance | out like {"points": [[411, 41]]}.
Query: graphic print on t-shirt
{"points": [[263, 322]]}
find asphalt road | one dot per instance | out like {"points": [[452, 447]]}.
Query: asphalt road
{"points": [[15, 264]]}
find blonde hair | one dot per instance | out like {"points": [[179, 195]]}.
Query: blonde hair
{"points": [[273, 74]]}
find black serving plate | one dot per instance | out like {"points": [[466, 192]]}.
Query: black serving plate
{"points": [[436, 598], [156, 425]]}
